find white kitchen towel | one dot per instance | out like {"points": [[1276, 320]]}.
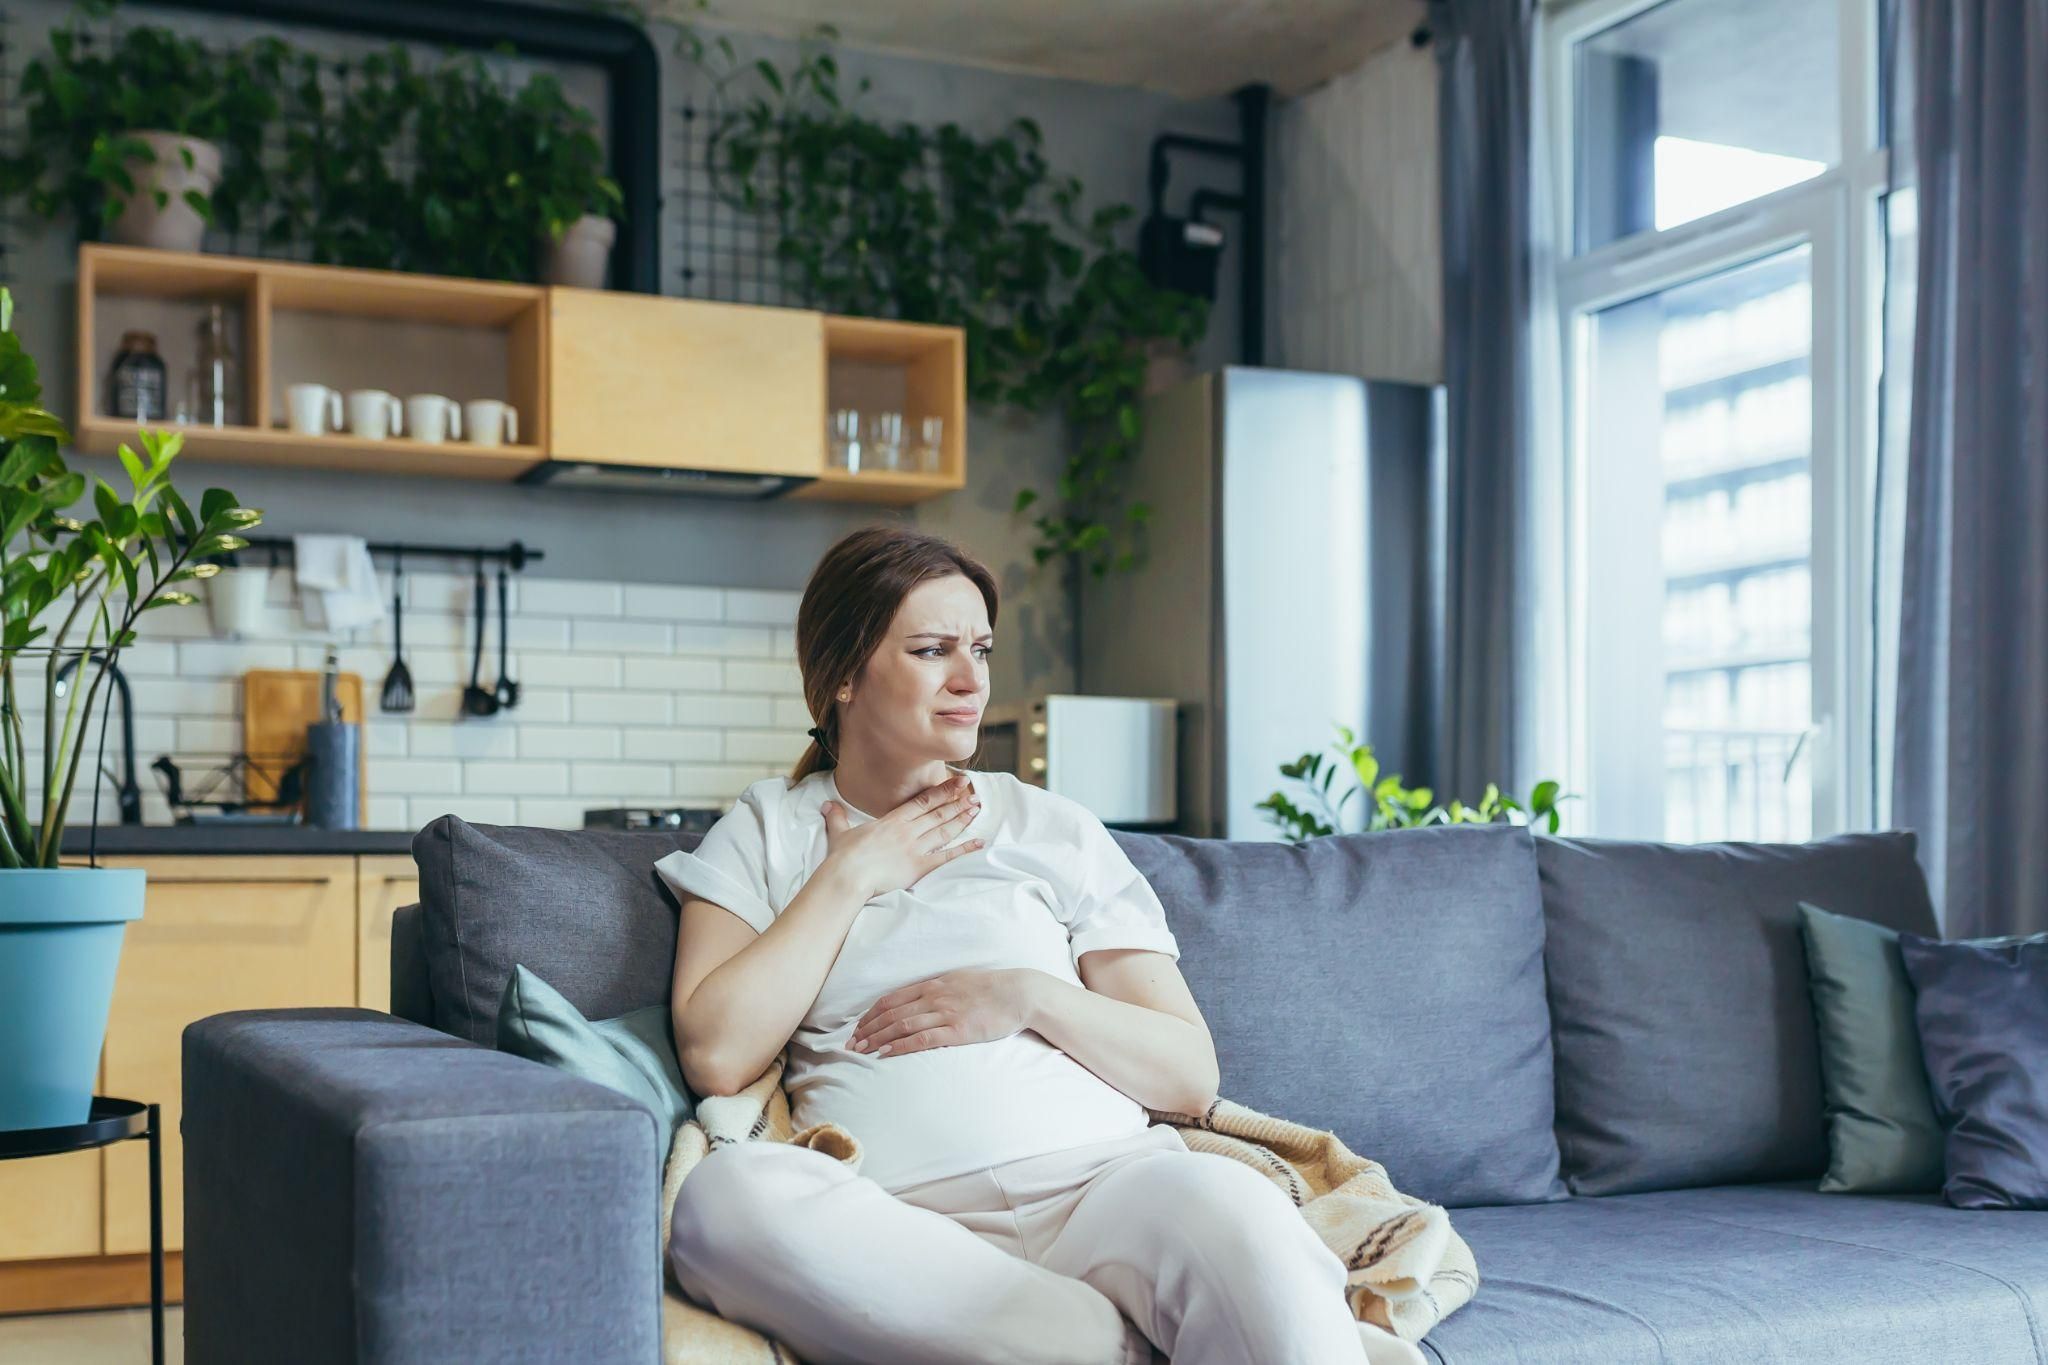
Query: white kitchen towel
{"points": [[337, 582]]}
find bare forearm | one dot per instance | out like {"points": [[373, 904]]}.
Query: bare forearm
{"points": [[743, 1014], [1162, 1062]]}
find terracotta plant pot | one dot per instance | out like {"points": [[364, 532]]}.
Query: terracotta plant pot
{"points": [[174, 225], [580, 258]]}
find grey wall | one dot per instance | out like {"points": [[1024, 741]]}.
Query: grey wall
{"points": [[1099, 133]]}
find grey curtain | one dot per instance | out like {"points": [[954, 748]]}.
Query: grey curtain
{"points": [[1970, 762], [1484, 55]]}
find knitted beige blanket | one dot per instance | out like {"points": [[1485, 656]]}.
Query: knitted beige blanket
{"points": [[1407, 1267]]}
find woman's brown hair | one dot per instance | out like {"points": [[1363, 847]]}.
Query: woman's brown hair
{"points": [[847, 609]]}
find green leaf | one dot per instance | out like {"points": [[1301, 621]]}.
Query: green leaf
{"points": [[170, 599], [137, 475]]}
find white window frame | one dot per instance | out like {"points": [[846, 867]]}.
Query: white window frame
{"points": [[1837, 212]]}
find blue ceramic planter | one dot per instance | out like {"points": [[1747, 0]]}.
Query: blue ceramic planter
{"points": [[60, 941]]}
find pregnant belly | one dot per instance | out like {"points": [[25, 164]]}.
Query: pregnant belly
{"points": [[930, 1114]]}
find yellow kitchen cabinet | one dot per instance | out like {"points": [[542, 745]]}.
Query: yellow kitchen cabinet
{"points": [[639, 379], [217, 934], [383, 883]]}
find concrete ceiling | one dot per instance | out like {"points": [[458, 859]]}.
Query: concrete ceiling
{"points": [[1189, 48]]}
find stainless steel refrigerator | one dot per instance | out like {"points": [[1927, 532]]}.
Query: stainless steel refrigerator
{"points": [[1289, 582]]}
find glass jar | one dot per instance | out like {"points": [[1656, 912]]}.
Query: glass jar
{"points": [[137, 380], [215, 385]]}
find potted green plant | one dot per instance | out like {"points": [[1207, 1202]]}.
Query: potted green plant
{"points": [[71, 589], [150, 139], [564, 176], [1387, 804]]}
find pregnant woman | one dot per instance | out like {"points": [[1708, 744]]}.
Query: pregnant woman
{"points": [[971, 978]]}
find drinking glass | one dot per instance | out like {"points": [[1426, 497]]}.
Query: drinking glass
{"points": [[885, 439], [931, 437], [845, 447]]}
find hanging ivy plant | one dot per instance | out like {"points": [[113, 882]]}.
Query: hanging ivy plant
{"points": [[891, 219]]}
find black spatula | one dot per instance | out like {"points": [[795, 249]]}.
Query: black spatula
{"points": [[398, 694]]}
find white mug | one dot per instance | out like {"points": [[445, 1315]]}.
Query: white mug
{"points": [[491, 422], [314, 409], [374, 414], [430, 417]]}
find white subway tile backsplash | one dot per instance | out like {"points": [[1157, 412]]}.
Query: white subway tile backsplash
{"points": [[746, 641], [570, 741], [722, 708], [675, 674], [657, 602], [516, 779], [555, 812], [675, 743], [568, 597], [543, 669], [229, 659], [621, 637], [412, 776], [612, 780], [631, 694], [478, 810], [773, 607], [705, 779], [620, 708], [206, 736], [469, 738], [743, 675], [765, 746]]}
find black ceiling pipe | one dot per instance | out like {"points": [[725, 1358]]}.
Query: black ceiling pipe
{"points": [[621, 49]]}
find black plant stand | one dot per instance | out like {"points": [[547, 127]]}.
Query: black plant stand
{"points": [[110, 1121]]}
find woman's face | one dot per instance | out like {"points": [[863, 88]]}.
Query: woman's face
{"points": [[922, 692]]}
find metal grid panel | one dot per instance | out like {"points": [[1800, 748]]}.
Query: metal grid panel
{"points": [[721, 252]]}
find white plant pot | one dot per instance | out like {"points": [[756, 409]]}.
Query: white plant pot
{"points": [[579, 259], [174, 225], [237, 602]]}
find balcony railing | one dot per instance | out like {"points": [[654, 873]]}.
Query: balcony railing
{"points": [[1737, 784]]}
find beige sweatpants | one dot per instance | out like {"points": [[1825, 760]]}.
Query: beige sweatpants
{"points": [[1050, 1260]]}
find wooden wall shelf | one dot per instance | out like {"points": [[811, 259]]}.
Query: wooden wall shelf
{"points": [[625, 379]]}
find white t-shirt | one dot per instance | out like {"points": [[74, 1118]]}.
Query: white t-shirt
{"points": [[1050, 885]]}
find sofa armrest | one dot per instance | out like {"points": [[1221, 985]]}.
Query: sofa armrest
{"points": [[364, 1188]]}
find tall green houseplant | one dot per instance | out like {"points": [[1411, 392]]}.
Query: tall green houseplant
{"points": [[71, 588]]}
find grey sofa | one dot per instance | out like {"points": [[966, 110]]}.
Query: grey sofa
{"points": [[1600, 1055]]}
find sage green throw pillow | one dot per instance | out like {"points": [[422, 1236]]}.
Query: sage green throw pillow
{"points": [[634, 1054], [1883, 1136]]}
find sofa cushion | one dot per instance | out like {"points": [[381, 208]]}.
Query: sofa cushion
{"points": [[634, 1054], [1883, 1137], [1749, 1273], [1982, 1008], [1686, 1051], [1386, 987], [581, 907]]}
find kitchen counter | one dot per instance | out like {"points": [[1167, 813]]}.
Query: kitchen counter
{"points": [[134, 841]]}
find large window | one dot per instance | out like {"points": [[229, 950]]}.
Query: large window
{"points": [[1718, 315]]}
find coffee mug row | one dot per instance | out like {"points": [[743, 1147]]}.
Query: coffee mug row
{"points": [[315, 410]]}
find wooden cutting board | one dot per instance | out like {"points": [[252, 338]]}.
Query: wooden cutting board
{"points": [[277, 706]]}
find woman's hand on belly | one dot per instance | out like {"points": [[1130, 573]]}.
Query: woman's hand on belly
{"points": [[971, 1005]]}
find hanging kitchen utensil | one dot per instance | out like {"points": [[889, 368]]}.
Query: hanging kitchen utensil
{"points": [[398, 693], [478, 700], [507, 691]]}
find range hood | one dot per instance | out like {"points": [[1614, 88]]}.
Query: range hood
{"points": [[702, 483]]}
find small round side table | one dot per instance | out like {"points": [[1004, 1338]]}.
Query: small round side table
{"points": [[110, 1121]]}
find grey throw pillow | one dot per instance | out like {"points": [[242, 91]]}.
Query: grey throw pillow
{"points": [[1686, 1047], [1385, 987], [581, 906], [634, 1054], [1883, 1136], [1982, 1006]]}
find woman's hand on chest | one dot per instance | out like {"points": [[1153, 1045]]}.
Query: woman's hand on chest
{"points": [[970, 1005]]}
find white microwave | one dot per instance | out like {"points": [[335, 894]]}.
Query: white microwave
{"points": [[1114, 755]]}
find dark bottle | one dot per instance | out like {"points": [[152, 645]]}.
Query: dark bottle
{"points": [[137, 385]]}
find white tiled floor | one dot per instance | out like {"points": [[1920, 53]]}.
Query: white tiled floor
{"points": [[113, 1337]]}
